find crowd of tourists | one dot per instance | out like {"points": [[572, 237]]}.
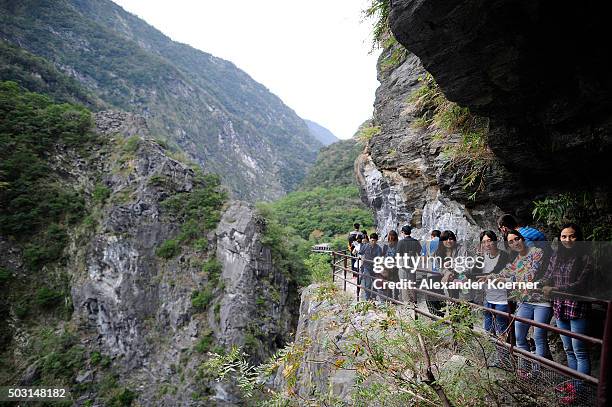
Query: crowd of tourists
{"points": [[514, 253]]}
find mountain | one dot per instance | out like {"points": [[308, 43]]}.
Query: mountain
{"points": [[321, 133], [328, 201], [216, 113], [119, 260], [334, 166]]}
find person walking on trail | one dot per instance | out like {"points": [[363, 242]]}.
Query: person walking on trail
{"points": [[369, 251], [355, 231], [430, 246], [352, 238], [411, 247], [355, 256], [390, 274]]}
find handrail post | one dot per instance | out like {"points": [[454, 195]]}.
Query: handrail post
{"points": [[358, 277], [345, 267], [604, 388], [333, 267]]}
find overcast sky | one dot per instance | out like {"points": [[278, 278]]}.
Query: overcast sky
{"points": [[313, 54]]}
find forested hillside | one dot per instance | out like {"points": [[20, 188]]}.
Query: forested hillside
{"points": [[216, 113], [328, 202]]}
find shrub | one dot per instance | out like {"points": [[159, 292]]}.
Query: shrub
{"points": [[124, 398], [60, 354], [101, 193], [46, 297], [158, 180], [205, 342], [319, 268], [198, 210], [379, 10], [95, 358], [366, 133], [201, 299], [21, 309], [579, 207], [5, 275], [170, 248], [201, 244], [131, 144], [471, 156], [213, 269], [32, 204]]}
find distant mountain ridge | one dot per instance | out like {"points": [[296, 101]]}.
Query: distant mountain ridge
{"points": [[223, 119], [321, 133]]}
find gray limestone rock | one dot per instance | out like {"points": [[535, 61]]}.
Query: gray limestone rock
{"points": [[545, 88], [402, 174]]}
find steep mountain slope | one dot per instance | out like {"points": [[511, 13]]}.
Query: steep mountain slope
{"points": [[39, 75], [327, 203], [334, 165], [215, 112], [119, 268], [321, 133]]}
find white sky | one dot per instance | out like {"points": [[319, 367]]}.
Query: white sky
{"points": [[313, 54]]}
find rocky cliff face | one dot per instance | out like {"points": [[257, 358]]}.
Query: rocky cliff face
{"points": [[547, 116], [136, 307], [402, 173], [546, 89], [258, 304]]}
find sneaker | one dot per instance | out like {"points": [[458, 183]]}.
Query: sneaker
{"points": [[524, 374], [567, 393]]}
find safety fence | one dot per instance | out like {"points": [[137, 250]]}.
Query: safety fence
{"points": [[566, 386]]}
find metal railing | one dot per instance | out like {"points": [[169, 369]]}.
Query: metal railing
{"points": [[340, 269]]}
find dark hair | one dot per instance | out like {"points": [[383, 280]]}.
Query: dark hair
{"points": [[515, 233], [374, 236], [508, 221], [488, 233], [356, 226], [352, 238], [436, 233], [406, 229], [576, 228], [448, 235], [393, 234]]}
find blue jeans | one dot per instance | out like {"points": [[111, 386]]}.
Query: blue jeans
{"points": [[576, 350], [493, 323], [537, 313], [367, 279]]}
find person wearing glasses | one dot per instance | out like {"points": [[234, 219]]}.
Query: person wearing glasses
{"points": [[447, 249], [531, 304]]}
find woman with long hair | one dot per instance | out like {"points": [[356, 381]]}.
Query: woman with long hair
{"points": [[448, 249], [568, 270], [494, 260], [531, 304]]}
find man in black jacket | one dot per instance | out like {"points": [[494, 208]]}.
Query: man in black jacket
{"points": [[410, 246]]}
